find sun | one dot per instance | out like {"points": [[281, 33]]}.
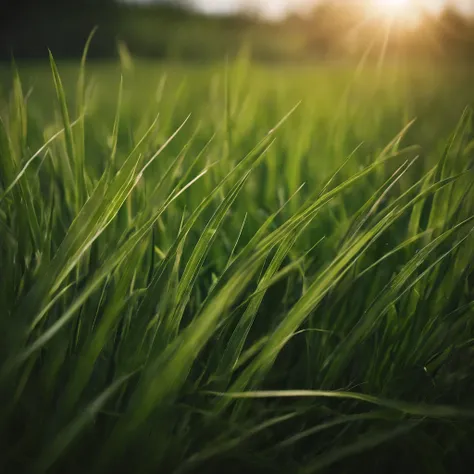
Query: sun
{"points": [[392, 7], [402, 10]]}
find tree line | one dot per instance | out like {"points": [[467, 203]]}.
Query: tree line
{"points": [[170, 29]]}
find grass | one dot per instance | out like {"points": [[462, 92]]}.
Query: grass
{"points": [[236, 267]]}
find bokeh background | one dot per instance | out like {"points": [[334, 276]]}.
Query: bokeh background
{"points": [[297, 30]]}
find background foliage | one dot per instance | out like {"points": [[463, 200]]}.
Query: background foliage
{"points": [[169, 30]]}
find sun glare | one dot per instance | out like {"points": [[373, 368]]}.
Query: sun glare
{"points": [[402, 10]]}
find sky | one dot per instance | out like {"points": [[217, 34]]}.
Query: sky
{"points": [[275, 8], [278, 8]]}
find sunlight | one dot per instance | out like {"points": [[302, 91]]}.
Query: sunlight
{"points": [[401, 10]]}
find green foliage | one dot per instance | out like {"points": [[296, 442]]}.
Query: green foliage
{"points": [[175, 299], [175, 29]]}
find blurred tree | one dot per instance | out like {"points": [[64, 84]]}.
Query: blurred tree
{"points": [[455, 34], [29, 27], [173, 28]]}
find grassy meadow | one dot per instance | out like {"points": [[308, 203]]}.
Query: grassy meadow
{"points": [[236, 267]]}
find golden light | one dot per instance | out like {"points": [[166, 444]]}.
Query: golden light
{"points": [[400, 10]]}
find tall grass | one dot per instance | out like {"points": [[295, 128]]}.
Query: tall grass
{"points": [[175, 299]]}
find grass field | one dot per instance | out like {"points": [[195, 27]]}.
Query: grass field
{"points": [[236, 268]]}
